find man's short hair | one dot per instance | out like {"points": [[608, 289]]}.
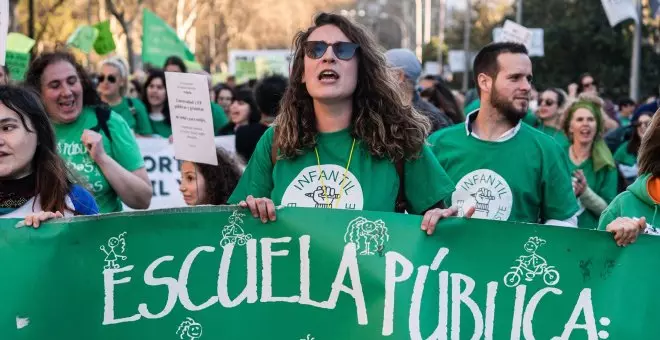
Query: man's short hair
{"points": [[626, 102], [269, 92], [486, 60]]}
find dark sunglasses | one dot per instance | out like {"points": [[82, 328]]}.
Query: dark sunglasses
{"points": [[548, 102], [585, 85], [112, 79], [342, 50]]}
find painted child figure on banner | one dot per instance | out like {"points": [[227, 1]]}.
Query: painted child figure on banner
{"points": [[484, 154], [116, 247], [343, 138], [189, 330]]}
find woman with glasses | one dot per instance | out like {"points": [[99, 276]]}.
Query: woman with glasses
{"points": [[637, 209], [594, 174], [112, 87], [343, 139], [92, 139], [549, 113], [626, 155]]}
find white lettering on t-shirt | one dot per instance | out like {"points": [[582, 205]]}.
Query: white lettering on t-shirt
{"points": [[330, 187]]}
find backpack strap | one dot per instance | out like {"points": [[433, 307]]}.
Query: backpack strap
{"points": [[274, 148], [131, 107], [102, 117], [401, 203]]}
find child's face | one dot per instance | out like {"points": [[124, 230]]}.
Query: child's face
{"points": [[193, 185]]}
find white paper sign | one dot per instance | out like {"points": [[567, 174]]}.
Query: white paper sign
{"points": [[4, 29], [516, 33], [619, 10], [536, 48], [431, 67], [457, 60], [192, 121]]}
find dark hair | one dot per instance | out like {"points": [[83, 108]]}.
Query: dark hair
{"points": [[251, 83], [627, 102], [486, 60], [441, 97], [268, 94], [582, 76], [156, 74], [137, 86], [221, 87], [247, 97], [221, 180], [174, 60], [53, 179], [6, 70], [635, 140], [38, 66], [386, 126], [430, 77], [648, 160]]}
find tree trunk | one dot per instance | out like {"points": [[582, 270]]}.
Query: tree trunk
{"points": [[127, 28]]}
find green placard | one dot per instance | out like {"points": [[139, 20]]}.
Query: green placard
{"points": [[245, 70], [218, 273], [159, 41], [104, 43], [84, 38], [18, 64], [19, 43]]}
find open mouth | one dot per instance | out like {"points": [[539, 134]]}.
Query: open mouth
{"points": [[3, 154], [328, 76], [585, 133], [67, 105]]}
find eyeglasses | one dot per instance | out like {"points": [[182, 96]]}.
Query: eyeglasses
{"points": [[547, 102], [342, 50], [112, 79], [587, 85], [644, 124]]}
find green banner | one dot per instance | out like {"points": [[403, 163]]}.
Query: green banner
{"points": [[159, 41], [245, 70], [19, 43], [215, 273], [104, 42], [17, 63], [83, 38]]}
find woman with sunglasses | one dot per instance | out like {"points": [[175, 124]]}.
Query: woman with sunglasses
{"points": [[637, 210], [93, 140], [549, 114], [112, 88], [343, 135], [626, 155], [35, 184], [594, 173]]}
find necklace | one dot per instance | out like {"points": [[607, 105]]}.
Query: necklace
{"points": [[341, 188]]}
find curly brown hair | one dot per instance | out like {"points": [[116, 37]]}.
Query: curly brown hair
{"points": [[387, 127], [221, 180]]}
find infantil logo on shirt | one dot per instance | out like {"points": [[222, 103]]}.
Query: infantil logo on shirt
{"points": [[314, 189], [485, 190]]}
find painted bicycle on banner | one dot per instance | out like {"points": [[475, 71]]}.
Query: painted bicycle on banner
{"points": [[530, 266]]}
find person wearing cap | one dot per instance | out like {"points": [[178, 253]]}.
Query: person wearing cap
{"points": [[508, 170], [409, 69]]}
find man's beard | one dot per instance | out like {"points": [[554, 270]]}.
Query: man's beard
{"points": [[506, 108]]}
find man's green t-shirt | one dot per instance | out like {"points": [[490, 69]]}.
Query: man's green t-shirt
{"points": [[558, 135], [219, 118], [603, 182], [529, 118], [622, 156], [123, 149], [522, 179], [370, 183], [136, 117]]}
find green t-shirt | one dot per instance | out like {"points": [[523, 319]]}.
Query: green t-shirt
{"points": [[160, 127], [625, 121], [369, 184], [522, 179], [123, 149], [622, 156], [603, 182], [558, 135], [219, 118], [137, 118], [529, 118]]}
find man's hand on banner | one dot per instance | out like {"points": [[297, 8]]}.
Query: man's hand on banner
{"points": [[93, 142], [261, 208], [34, 220], [626, 230], [432, 217]]}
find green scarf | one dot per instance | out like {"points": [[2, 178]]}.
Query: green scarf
{"points": [[600, 153]]}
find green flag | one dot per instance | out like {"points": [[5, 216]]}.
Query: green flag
{"points": [[104, 43], [83, 38], [218, 273], [19, 43], [17, 63], [159, 41]]}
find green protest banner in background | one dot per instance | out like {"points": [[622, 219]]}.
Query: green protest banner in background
{"points": [[104, 42], [159, 41], [245, 70], [217, 273], [19, 43], [84, 37], [17, 63]]}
